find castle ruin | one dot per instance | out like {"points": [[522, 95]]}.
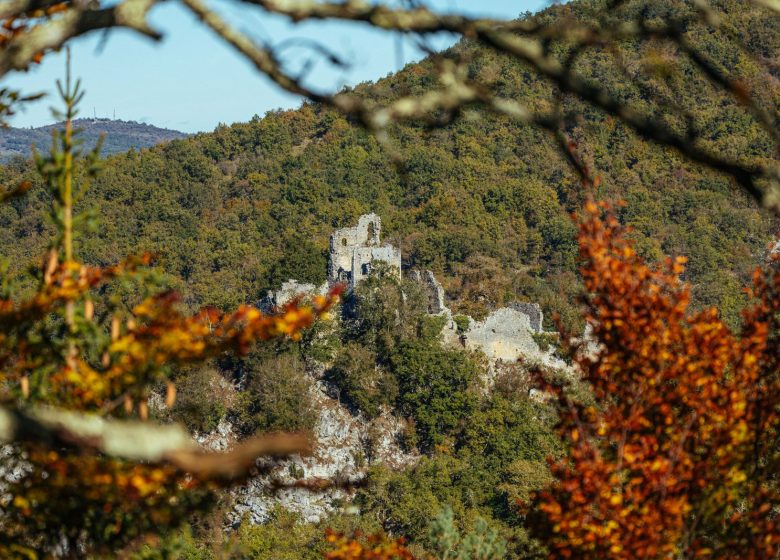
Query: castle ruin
{"points": [[503, 335], [354, 249]]}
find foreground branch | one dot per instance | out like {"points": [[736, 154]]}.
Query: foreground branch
{"points": [[27, 47], [523, 40], [141, 441]]}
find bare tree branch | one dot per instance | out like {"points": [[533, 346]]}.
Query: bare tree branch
{"points": [[773, 5], [263, 59], [21, 51], [15, 8], [417, 19], [141, 441], [455, 93], [747, 176], [503, 37]]}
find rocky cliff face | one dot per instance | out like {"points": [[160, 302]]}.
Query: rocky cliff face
{"points": [[12, 469], [346, 446]]}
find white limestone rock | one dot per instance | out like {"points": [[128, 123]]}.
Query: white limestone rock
{"points": [[346, 445]]}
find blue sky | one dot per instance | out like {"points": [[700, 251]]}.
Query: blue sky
{"points": [[192, 82]]}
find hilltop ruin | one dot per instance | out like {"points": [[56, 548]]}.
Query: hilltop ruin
{"points": [[353, 250], [504, 335]]}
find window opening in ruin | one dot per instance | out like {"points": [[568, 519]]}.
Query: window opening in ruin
{"points": [[371, 232], [344, 242]]}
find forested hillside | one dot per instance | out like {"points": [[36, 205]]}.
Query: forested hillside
{"points": [[485, 202], [119, 136]]}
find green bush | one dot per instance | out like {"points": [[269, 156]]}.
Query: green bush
{"points": [[436, 388], [521, 479], [202, 398], [383, 311], [545, 340], [362, 382], [462, 323], [277, 396], [282, 537], [483, 543]]}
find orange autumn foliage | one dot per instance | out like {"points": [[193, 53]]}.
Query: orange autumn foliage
{"points": [[74, 346], [117, 500], [26, 19], [676, 458], [374, 547], [154, 334]]}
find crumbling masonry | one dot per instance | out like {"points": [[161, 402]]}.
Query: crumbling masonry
{"points": [[353, 250], [503, 336]]}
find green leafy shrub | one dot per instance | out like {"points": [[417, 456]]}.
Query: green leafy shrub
{"points": [[362, 382], [436, 388], [282, 537], [277, 396], [546, 340], [384, 310], [521, 478], [462, 323], [202, 398], [482, 543]]}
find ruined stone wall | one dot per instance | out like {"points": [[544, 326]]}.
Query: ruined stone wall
{"points": [[433, 291], [364, 257], [534, 313], [290, 290], [353, 249], [504, 335]]}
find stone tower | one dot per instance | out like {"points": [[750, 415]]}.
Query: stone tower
{"points": [[354, 249]]}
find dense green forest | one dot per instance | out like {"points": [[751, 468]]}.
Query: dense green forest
{"points": [[484, 202]]}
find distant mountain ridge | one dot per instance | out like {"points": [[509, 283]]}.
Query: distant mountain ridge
{"points": [[120, 136]]}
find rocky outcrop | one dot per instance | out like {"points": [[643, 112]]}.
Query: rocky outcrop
{"points": [[220, 439], [288, 291], [346, 445], [433, 290], [12, 468]]}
